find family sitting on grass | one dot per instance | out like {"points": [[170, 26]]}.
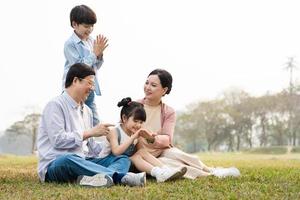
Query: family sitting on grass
{"points": [[68, 152], [66, 146]]}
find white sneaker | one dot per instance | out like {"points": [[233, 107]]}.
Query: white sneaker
{"points": [[224, 172], [235, 172], [98, 180], [133, 179], [168, 174]]}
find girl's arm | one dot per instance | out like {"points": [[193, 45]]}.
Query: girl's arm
{"points": [[117, 149]]}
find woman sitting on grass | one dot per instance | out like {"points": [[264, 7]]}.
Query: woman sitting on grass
{"points": [[124, 137], [161, 122]]}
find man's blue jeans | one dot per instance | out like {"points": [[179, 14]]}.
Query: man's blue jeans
{"points": [[67, 168]]}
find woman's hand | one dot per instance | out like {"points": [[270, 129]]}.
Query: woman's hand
{"points": [[150, 137]]}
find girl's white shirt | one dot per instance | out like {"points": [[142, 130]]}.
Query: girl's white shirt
{"points": [[106, 147]]}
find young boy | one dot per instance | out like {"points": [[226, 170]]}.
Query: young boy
{"points": [[82, 48]]}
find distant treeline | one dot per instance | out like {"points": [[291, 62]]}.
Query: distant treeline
{"points": [[20, 137], [233, 122], [239, 121]]}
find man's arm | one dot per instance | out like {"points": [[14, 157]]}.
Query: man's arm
{"points": [[97, 131], [55, 122]]}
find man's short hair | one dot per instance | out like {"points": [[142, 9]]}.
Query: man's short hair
{"points": [[83, 14], [79, 70]]}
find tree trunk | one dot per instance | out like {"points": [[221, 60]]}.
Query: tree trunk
{"points": [[263, 139], [294, 137], [33, 140]]}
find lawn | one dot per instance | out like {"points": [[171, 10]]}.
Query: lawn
{"points": [[263, 177]]}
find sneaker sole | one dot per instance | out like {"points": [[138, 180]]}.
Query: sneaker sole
{"points": [[178, 174], [98, 180], [143, 180], [140, 183], [235, 172], [227, 172]]}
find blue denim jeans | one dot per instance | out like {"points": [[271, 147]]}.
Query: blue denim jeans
{"points": [[90, 102], [67, 168]]}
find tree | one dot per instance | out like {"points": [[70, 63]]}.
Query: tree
{"points": [[22, 132], [238, 107], [31, 122]]}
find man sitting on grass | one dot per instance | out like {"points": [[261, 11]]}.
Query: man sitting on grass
{"points": [[66, 149]]}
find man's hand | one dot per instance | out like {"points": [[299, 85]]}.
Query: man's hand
{"points": [[100, 45], [97, 131]]}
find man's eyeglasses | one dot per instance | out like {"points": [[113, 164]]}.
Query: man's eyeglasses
{"points": [[91, 83]]}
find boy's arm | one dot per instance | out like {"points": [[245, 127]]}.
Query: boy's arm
{"points": [[100, 44], [98, 64], [72, 55]]}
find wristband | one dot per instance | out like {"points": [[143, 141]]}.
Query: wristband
{"points": [[150, 141]]}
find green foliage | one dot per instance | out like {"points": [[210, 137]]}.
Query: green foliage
{"points": [[237, 121], [263, 177], [268, 150], [295, 150], [20, 137]]}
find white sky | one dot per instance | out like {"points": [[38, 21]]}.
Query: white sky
{"points": [[208, 46]]}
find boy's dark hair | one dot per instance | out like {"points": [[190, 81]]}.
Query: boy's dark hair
{"points": [[83, 14], [132, 108], [165, 78], [79, 70]]}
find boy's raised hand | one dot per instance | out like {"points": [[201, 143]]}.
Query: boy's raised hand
{"points": [[100, 45]]}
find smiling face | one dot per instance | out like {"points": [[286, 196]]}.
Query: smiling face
{"points": [[83, 31], [131, 125], [153, 89], [85, 86]]}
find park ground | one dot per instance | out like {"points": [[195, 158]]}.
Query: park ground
{"points": [[263, 176]]}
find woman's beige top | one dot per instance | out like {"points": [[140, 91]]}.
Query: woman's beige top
{"points": [[153, 124]]}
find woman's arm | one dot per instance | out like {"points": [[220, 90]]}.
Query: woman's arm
{"points": [[164, 136]]}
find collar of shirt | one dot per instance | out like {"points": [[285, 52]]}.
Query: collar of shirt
{"points": [[77, 40], [70, 100]]}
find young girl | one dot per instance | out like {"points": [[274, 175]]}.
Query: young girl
{"points": [[123, 139]]}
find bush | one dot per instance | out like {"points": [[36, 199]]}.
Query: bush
{"points": [[295, 150], [268, 150]]}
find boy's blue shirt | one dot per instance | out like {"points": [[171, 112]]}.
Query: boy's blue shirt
{"points": [[77, 51]]}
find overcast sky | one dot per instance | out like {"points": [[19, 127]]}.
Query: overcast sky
{"points": [[208, 46]]}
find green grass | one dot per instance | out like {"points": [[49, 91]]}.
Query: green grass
{"points": [[263, 177]]}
